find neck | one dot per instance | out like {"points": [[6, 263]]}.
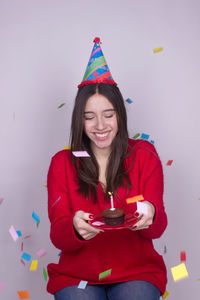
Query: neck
{"points": [[101, 154]]}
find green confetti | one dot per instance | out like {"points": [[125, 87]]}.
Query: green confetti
{"points": [[136, 136], [38, 223], [104, 274], [45, 274], [61, 105]]}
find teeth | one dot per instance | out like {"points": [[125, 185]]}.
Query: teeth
{"points": [[101, 135]]}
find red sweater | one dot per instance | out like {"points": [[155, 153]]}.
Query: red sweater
{"points": [[130, 254]]}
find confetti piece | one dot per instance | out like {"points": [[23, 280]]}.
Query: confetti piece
{"points": [[59, 254], [1, 200], [179, 272], [136, 136], [56, 201], [67, 147], [169, 163], [128, 100], [45, 274], [165, 249], [198, 279], [35, 217], [80, 153], [34, 265], [134, 199], [38, 223], [61, 105], [2, 286], [104, 274], [152, 142], [13, 233], [144, 136], [156, 50], [26, 256], [41, 252], [23, 294], [98, 223], [183, 256], [142, 208], [82, 284], [45, 186], [27, 236], [166, 293], [22, 262], [19, 233]]}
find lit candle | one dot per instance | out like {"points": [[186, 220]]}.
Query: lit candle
{"points": [[111, 200]]}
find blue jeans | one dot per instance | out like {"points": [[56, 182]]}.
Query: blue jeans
{"points": [[129, 290]]}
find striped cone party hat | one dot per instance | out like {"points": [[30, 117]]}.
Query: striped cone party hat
{"points": [[97, 69]]}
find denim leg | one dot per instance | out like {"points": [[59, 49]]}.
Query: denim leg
{"points": [[133, 290], [91, 292]]}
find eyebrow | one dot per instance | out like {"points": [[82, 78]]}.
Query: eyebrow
{"points": [[105, 110]]}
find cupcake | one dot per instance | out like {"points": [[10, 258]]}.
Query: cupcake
{"points": [[113, 216]]}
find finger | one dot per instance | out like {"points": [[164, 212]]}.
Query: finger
{"points": [[88, 228], [138, 228], [86, 216]]}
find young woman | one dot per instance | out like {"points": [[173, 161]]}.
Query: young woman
{"points": [[78, 191]]}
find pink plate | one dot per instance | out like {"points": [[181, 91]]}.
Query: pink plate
{"points": [[98, 222]]}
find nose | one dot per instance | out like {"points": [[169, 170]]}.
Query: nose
{"points": [[100, 124]]}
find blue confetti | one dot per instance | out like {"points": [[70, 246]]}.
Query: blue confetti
{"points": [[129, 100], [19, 233], [35, 217], [152, 142], [144, 136], [26, 256]]}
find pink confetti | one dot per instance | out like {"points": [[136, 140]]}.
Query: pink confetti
{"points": [[80, 153], [169, 163], [13, 233], [22, 262], [1, 200], [2, 286], [41, 252], [183, 256]]}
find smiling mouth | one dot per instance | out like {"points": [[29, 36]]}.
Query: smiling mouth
{"points": [[101, 135]]}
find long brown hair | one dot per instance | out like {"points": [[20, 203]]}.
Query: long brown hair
{"points": [[87, 168]]}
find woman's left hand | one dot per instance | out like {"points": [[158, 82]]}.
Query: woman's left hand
{"points": [[145, 220]]}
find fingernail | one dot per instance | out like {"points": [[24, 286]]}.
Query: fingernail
{"points": [[137, 214], [91, 217]]}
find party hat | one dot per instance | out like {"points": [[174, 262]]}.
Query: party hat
{"points": [[97, 70]]}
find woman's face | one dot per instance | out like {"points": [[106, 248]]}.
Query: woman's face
{"points": [[100, 122]]}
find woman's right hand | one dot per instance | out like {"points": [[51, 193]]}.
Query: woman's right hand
{"points": [[80, 222]]}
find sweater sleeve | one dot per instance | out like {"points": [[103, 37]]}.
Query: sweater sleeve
{"points": [[153, 187], [62, 232]]}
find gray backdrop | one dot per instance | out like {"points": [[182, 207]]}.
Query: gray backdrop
{"points": [[44, 49]]}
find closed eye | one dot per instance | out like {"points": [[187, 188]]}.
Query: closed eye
{"points": [[88, 118], [108, 116]]}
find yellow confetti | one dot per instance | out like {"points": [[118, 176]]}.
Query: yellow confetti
{"points": [[67, 147], [33, 266], [166, 293], [134, 199], [156, 50], [179, 272]]}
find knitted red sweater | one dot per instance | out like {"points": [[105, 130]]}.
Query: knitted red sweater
{"points": [[130, 254]]}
